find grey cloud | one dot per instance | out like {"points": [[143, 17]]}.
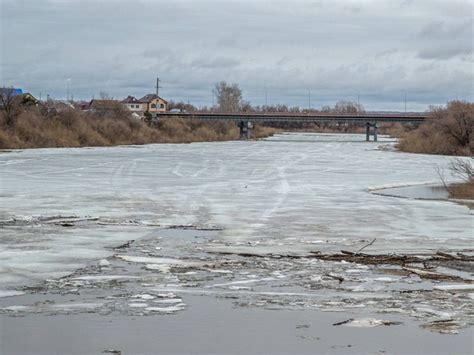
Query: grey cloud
{"points": [[375, 48], [445, 52], [214, 63], [441, 30]]}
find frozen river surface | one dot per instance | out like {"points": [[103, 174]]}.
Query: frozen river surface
{"points": [[65, 209], [290, 191]]}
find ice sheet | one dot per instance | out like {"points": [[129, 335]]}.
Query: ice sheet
{"points": [[283, 193]]}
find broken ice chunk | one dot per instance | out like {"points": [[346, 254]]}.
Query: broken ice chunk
{"points": [[10, 293], [461, 287], [144, 296], [158, 267], [167, 310], [104, 263], [366, 322]]}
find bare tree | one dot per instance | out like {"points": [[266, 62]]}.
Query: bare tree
{"points": [[8, 105], [458, 121], [348, 107], [182, 106], [229, 97], [463, 169], [104, 95], [460, 168], [246, 107]]}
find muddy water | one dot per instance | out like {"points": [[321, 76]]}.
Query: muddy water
{"points": [[212, 326], [86, 231]]}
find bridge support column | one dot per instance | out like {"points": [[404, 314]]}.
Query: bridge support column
{"points": [[249, 128], [245, 129], [368, 127]]}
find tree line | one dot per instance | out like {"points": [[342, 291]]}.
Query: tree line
{"points": [[230, 99]]}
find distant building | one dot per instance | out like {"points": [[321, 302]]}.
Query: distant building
{"points": [[103, 105], [134, 105], [154, 104], [151, 103], [59, 106], [10, 91], [17, 95]]}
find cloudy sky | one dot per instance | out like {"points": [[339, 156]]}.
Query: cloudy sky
{"points": [[335, 49]]}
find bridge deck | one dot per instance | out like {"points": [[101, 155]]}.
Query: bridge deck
{"points": [[310, 118]]}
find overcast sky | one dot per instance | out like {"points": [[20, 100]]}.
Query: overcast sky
{"points": [[377, 50]]}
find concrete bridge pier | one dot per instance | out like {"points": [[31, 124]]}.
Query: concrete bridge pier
{"points": [[369, 125], [245, 129]]}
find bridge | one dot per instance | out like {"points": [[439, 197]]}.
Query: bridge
{"points": [[245, 120]]}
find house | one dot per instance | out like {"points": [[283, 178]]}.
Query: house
{"points": [[59, 106], [28, 99], [10, 92], [149, 103], [154, 103], [134, 105], [11, 95], [103, 106]]}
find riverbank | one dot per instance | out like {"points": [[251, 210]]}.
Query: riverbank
{"points": [[448, 132], [33, 129]]}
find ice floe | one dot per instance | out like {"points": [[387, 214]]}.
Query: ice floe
{"points": [[10, 293]]}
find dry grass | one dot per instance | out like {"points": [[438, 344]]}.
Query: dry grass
{"points": [[264, 131], [462, 191], [36, 129], [464, 170], [395, 130]]}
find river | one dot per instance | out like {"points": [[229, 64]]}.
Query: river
{"points": [[64, 210]]}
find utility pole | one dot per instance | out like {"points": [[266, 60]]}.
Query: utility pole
{"points": [[67, 85], [405, 102], [358, 104], [309, 100], [157, 86], [266, 97]]}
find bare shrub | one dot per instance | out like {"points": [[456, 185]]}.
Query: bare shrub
{"points": [[264, 131], [463, 169], [396, 129], [4, 139], [449, 131], [10, 105]]}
